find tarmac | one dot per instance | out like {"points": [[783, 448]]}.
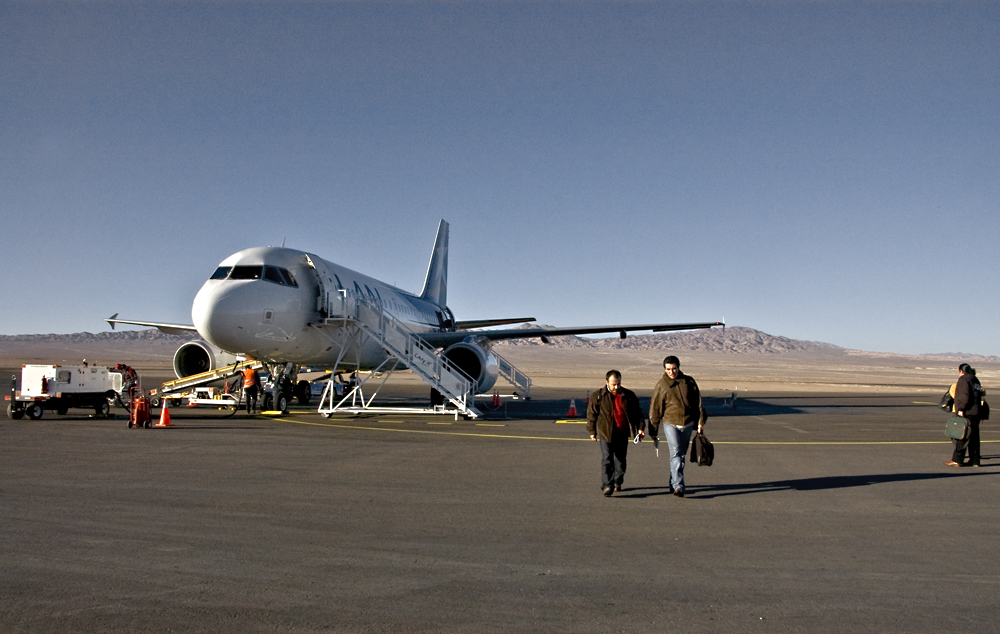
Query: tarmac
{"points": [[822, 513]]}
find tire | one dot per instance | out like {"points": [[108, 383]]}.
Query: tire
{"points": [[14, 414], [265, 403], [34, 411], [282, 404], [303, 392], [101, 408], [437, 398]]}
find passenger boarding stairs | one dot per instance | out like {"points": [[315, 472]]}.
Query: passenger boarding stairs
{"points": [[365, 319]]}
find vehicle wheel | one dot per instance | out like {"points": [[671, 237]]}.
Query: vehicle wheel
{"points": [[34, 411], [101, 408], [282, 404], [265, 403], [437, 398], [303, 392], [130, 423], [154, 402], [14, 414]]}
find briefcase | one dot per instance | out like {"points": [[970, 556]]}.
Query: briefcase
{"points": [[957, 428], [702, 451]]}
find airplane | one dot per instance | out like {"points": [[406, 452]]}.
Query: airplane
{"points": [[274, 304]]}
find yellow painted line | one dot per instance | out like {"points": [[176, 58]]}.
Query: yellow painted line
{"points": [[572, 422], [923, 403], [427, 431], [515, 437], [490, 425]]}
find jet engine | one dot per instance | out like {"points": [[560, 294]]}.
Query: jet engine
{"points": [[477, 362], [196, 357]]}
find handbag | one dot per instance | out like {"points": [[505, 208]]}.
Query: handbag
{"points": [[702, 451], [957, 428]]}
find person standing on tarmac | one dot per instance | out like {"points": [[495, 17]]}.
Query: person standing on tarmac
{"points": [[614, 417], [251, 386], [677, 403], [968, 394]]}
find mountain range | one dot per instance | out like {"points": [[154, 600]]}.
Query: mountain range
{"points": [[153, 344]]}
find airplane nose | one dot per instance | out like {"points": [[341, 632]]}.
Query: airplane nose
{"points": [[222, 314]]}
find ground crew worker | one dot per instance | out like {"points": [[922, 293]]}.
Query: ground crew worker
{"points": [[251, 387]]}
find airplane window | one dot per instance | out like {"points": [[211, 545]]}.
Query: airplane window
{"points": [[221, 273], [288, 277], [272, 274], [246, 273]]}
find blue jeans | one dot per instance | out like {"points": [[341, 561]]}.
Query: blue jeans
{"points": [[677, 443]]}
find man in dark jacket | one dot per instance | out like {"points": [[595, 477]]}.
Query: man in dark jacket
{"points": [[614, 418], [968, 394], [676, 403]]}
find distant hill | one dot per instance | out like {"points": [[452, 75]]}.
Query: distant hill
{"points": [[102, 347], [735, 339]]}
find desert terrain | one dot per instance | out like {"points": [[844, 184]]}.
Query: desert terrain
{"points": [[737, 359]]}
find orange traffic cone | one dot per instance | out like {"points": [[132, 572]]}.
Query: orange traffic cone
{"points": [[572, 409], [164, 416]]}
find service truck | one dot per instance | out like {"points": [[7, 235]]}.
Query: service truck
{"points": [[60, 387]]}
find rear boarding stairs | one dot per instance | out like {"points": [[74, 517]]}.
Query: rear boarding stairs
{"points": [[365, 321]]}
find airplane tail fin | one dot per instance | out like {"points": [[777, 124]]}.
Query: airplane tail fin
{"points": [[436, 283]]}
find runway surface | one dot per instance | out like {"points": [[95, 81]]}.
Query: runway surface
{"points": [[821, 514]]}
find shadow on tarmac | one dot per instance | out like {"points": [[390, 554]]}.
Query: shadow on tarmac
{"points": [[805, 484], [824, 484]]}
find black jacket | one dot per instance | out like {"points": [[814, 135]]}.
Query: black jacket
{"points": [[601, 420], [968, 393]]}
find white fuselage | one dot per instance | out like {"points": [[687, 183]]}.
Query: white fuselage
{"points": [[269, 315]]}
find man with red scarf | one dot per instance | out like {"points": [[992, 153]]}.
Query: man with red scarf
{"points": [[614, 418]]}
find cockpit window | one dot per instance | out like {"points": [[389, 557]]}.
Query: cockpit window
{"points": [[288, 277], [271, 274], [246, 273], [279, 276]]}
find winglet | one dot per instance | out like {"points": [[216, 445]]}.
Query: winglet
{"points": [[111, 320], [436, 282]]}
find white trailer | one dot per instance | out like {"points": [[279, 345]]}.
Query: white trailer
{"points": [[59, 387]]}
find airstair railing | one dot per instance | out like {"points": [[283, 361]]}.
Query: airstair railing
{"points": [[515, 377], [398, 340]]}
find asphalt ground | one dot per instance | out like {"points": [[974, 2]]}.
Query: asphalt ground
{"points": [[821, 514]]}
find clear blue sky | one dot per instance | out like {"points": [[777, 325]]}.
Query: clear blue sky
{"points": [[827, 171]]}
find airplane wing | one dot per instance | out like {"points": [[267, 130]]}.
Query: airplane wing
{"points": [[170, 329], [442, 339]]}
